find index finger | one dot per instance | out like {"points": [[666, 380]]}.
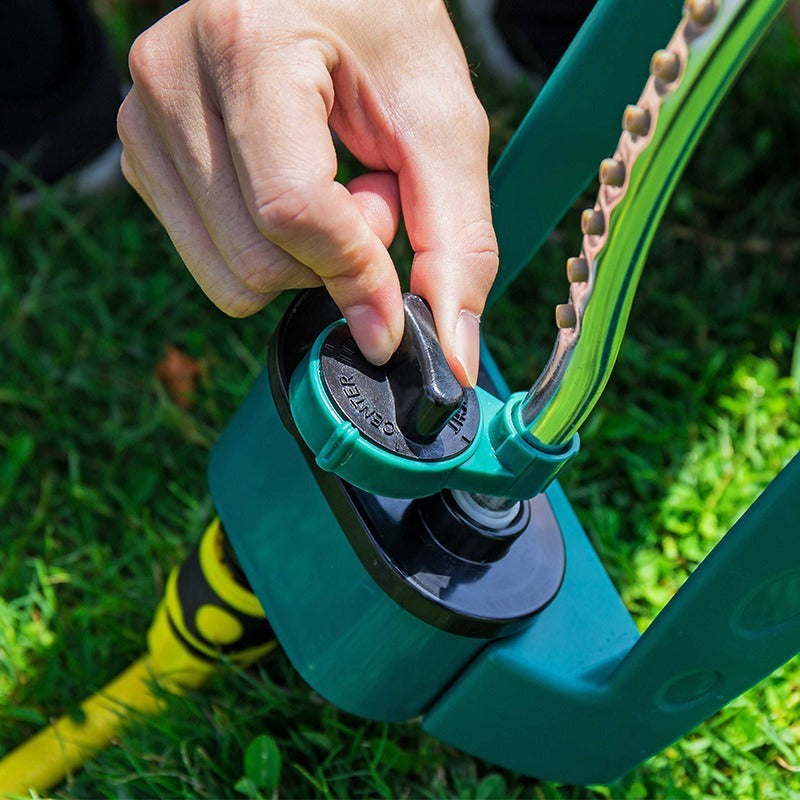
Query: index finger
{"points": [[277, 129]]}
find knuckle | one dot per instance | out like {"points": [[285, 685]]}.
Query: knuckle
{"points": [[464, 115], [255, 268], [482, 252], [261, 267], [146, 55], [284, 210], [460, 112], [352, 282], [241, 304], [125, 122], [248, 265], [131, 123], [219, 23], [355, 263], [360, 273], [476, 121], [224, 30]]}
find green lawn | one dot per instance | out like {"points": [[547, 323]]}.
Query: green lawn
{"points": [[102, 477]]}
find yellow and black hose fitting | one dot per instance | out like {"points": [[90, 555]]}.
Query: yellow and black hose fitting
{"points": [[209, 612]]}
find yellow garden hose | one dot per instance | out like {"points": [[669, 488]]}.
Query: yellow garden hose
{"points": [[208, 615], [57, 750]]}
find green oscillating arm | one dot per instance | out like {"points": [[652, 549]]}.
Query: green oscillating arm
{"points": [[689, 78]]}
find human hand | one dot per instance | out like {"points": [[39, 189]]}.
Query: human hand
{"points": [[226, 137]]}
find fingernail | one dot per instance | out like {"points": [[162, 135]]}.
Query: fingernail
{"points": [[371, 334], [467, 344]]}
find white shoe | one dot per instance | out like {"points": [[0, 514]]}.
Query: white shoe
{"points": [[485, 35]]}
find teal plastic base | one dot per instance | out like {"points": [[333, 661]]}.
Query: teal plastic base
{"points": [[343, 634]]}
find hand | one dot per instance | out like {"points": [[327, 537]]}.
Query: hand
{"points": [[226, 137]]}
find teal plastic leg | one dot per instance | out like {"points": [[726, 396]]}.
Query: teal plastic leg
{"points": [[558, 702]]}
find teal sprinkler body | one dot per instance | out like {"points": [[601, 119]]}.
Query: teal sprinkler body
{"points": [[383, 516]]}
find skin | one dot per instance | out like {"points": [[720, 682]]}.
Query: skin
{"points": [[226, 137]]}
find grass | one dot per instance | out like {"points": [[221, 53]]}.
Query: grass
{"points": [[102, 477]]}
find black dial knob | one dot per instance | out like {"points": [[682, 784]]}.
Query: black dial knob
{"points": [[426, 393], [412, 405]]}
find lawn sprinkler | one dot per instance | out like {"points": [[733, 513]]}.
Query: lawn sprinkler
{"points": [[406, 537]]}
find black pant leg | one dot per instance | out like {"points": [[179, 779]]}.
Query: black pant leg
{"points": [[539, 31], [59, 86]]}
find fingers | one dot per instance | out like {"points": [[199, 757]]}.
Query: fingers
{"points": [[256, 158], [288, 183], [150, 170], [226, 136], [171, 138], [377, 196], [433, 132]]}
